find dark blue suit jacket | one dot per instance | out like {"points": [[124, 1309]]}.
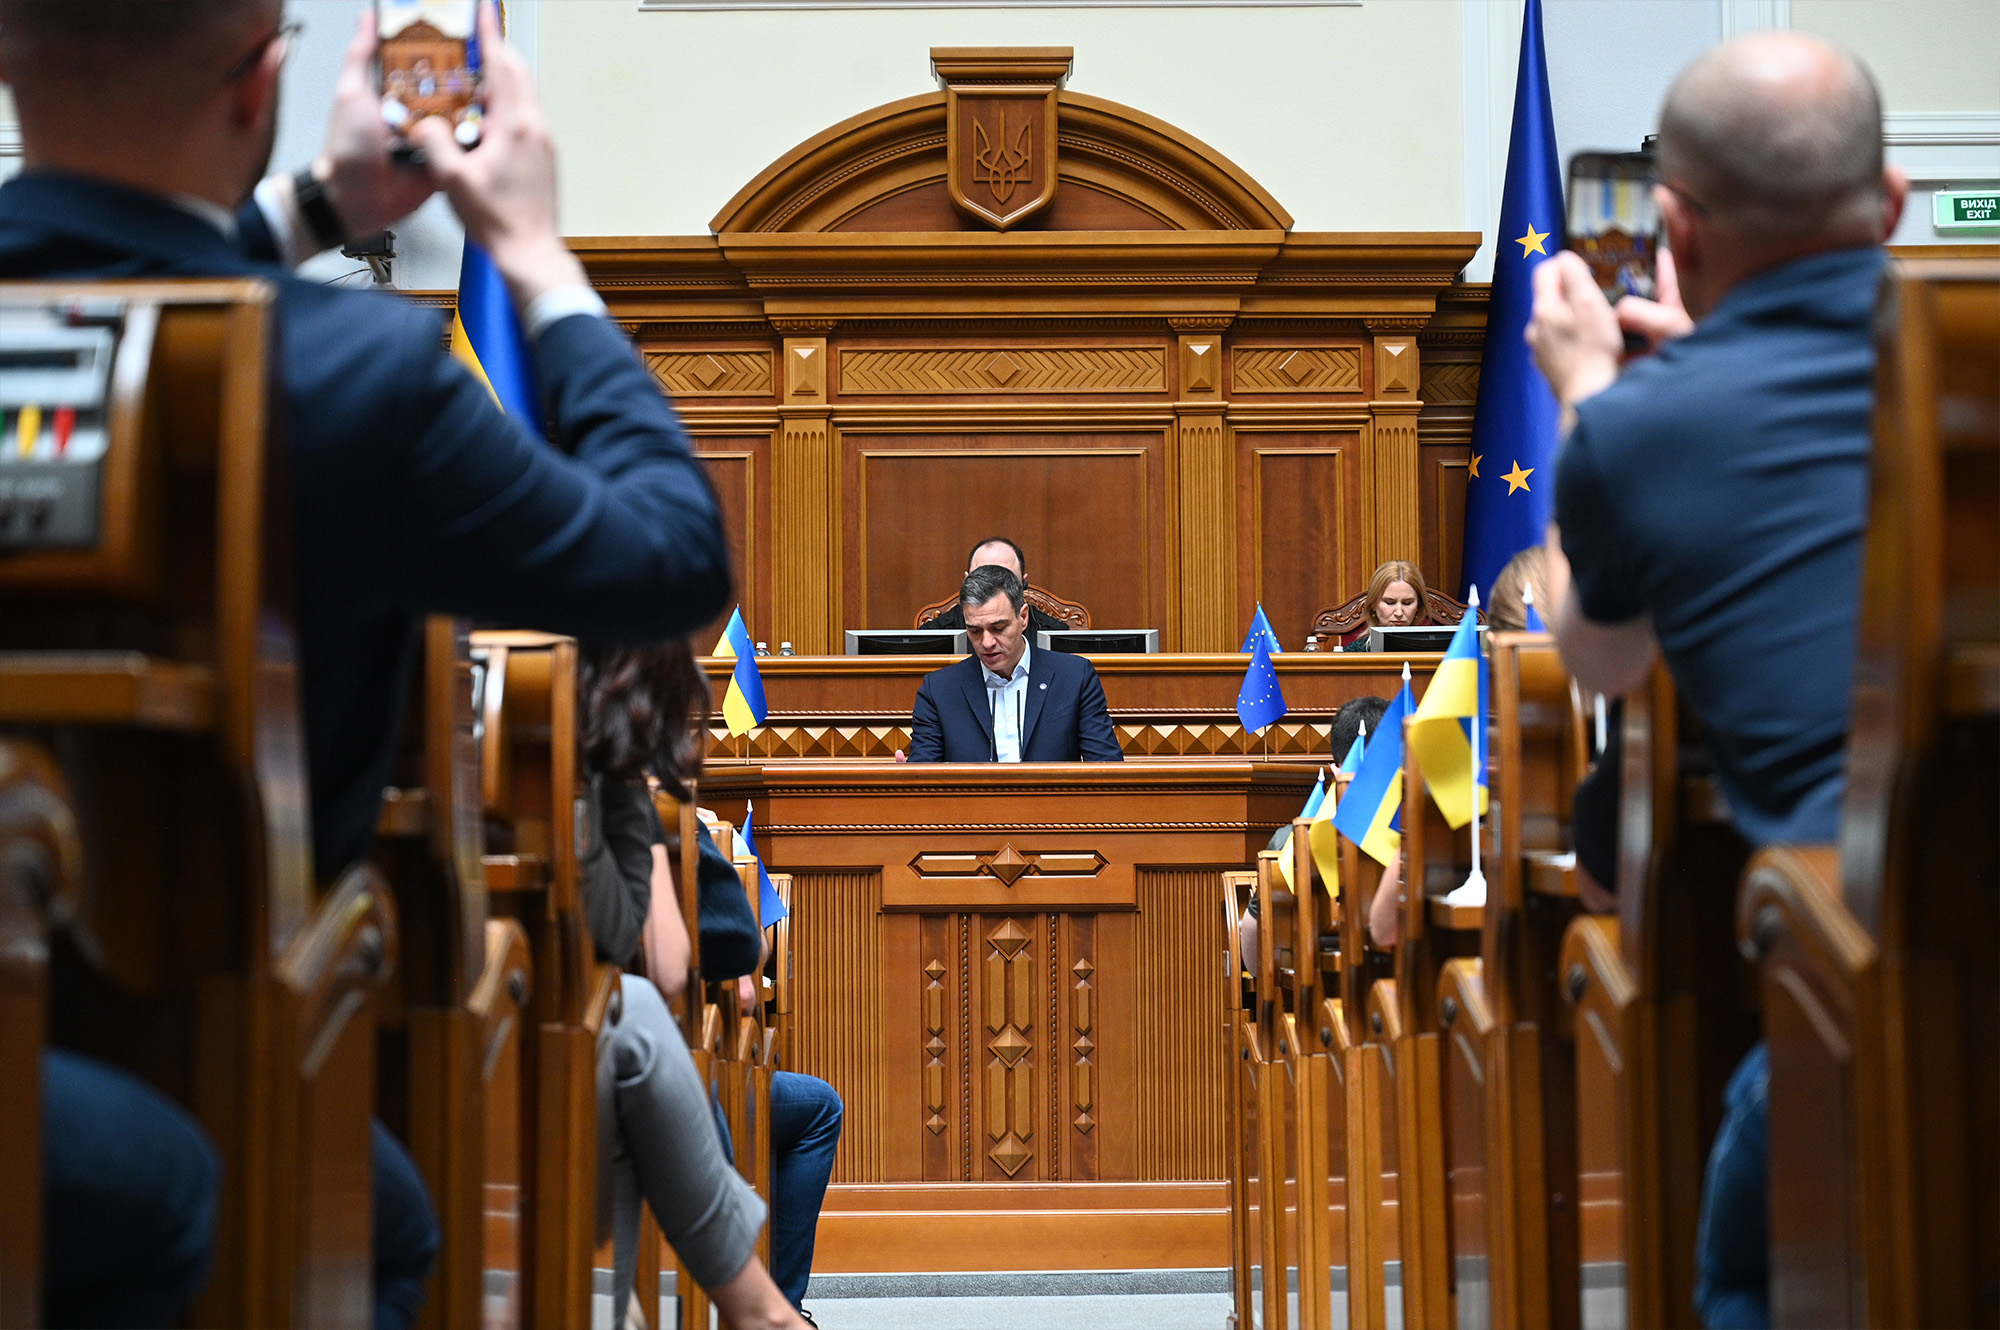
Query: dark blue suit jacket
{"points": [[1065, 717], [412, 493]]}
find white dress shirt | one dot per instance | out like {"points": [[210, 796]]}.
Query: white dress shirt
{"points": [[1007, 702]]}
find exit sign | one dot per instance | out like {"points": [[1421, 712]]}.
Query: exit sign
{"points": [[1953, 209]]}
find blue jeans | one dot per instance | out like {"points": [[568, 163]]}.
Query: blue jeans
{"points": [[805, 1127], [406, 1232], [130, 1187], [1733, 1249]]}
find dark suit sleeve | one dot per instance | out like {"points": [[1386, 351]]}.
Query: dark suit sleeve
{"points": [[1095, 736], [926, 734], [730, 939], [253, 233], [617, 537]]}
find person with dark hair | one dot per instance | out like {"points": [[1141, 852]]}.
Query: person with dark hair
{"points": [[636, 705], [1711, 496], [145, 130], [1007, 702], [999, 552]]}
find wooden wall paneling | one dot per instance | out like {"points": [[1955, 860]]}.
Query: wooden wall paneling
{"points": [[838, 928], [1441, 495], [805, 608], [1181, 1054], [1205, 481], [1299, 508], [921, 499], [739, 466], [1393, 452], [1451, 345]]}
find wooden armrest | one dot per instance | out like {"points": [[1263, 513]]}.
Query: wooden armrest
{"points": [[515, 872], [1551, 874], [106, 688], [405, 813], [1466, 918], [1590, 948], [1794, 890]]}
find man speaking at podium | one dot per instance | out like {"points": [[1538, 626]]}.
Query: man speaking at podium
{"points": [[1008, 702]]}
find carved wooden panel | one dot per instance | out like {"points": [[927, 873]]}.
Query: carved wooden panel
{"points": [[1008, 996], [928, 371], [712, 373], [1088, 510], [806, 609], [1178, 1040], [1296, 369], [1299, 509], [1394, 462], [1193, 738], [1081, 1056], [1442, 496], [836, 932], [1208, 620], [1453, 383], [739, 468]]}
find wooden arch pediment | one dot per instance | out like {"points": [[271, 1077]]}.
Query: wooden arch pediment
{"points": [[1117, 169]]}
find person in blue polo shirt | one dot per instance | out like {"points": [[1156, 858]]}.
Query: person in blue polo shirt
{"points": [[1711, 497]]}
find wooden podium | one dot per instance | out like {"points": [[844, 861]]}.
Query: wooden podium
{"points": [[1013, 976]]}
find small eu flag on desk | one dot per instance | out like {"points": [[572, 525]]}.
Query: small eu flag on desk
{"points": [[1261, 631], [1258, 701]]}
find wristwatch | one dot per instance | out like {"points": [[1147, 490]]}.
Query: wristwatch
{"points": [[317, 209]]}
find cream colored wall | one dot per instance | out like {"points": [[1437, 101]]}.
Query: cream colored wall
{"points": [[1929, 55], [1349, 116]]}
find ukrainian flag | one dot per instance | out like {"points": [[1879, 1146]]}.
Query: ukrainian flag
{"points": [[1367, 814], [770, 905], [486, 336], [743, 705], [1442, 731]]}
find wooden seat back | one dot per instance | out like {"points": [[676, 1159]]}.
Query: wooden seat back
{"points": [[1072, 614], [1240, 1121], [155, 654], [1278, 1198], [1660, 1014], [1879, 965], [1350, 615], [532, 791]]}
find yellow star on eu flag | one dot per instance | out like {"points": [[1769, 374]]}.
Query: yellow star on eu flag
{"points": [[1473, 466], [1517, 479], [1531, 243]]}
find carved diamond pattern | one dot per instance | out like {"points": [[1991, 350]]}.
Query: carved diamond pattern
{"points": [[1011, 1153], [1083, 1122], [935, 1122], [1008, 866], [1290, 738], [1298, 369], [935, 1047], [707, 370], [1008, 938], [1454, 383], [935, 970], [1009, 1046], [1100, 369], [712, 374], [1084, 1045], [1083, 969]]}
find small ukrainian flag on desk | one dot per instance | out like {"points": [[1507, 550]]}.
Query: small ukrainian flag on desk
{"points": [[1451, 721], [1368, 813], [743, 705]]}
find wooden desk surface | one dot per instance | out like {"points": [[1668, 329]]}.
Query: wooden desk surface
{"points": [[1013, 976], [1163, 705]]}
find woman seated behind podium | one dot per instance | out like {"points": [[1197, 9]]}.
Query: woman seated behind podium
{"points": [[1397, 598], [635, 705]]}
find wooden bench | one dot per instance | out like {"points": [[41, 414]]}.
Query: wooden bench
{"points": [[1239, 1004], [1660, 1020], [157, 657], [1437, 959], [454, 1015], [530, 791], [1878, 957]]}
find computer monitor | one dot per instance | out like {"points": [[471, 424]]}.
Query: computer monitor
{"points": [[1419, 637], [906, 642], [1100, 641]]}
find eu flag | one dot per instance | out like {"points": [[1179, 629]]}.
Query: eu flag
{"points": [[1511, 481], [1258, 701], [1260, 627]]}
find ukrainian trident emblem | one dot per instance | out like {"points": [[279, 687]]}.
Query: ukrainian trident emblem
{"points": [[1000, 164], [1000, 117]]}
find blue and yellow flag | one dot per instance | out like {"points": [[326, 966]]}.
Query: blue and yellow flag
{"points": [[770, 905], [1260, 627], [486, 335], [1259, 702], [743, 705], [1511, 478], [1320, 836], [1317, 797], [1367, 814], [1452, 717], [1352, 762]]}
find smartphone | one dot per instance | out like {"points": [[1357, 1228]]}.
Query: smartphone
{"points": [[427, 63], [1613, 224]]}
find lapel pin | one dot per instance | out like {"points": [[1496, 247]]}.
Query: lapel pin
{"points": [[1045, 688]]}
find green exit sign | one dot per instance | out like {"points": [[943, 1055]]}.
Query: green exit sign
{"points": [[1953, 209]]}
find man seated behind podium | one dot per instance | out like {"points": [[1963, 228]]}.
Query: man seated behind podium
{"points": [[1008, 702], [1001, 552]]}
